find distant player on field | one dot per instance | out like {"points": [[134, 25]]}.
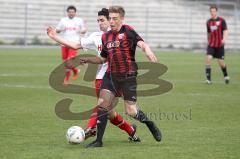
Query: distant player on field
{"points": [[70, 27], [94, 42], [217, 34]]}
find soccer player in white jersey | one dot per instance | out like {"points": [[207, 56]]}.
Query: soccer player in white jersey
{"points": [[70, 28], [94, 42]]}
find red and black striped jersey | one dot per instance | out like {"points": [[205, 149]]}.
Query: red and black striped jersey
{"points": [[215, 28], [119, 49]]}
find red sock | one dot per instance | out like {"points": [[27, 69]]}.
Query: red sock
{"points": [[122, 124], [75, 70], [67, 75], [93, 119]]}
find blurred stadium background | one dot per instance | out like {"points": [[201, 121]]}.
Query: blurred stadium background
{"points": [[162, 23]]}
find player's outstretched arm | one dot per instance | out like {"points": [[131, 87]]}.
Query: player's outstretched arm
{"points": [[93, 60], [52, 33], [148, 52]]}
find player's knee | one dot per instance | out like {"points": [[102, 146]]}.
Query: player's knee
{"points": [[103, 103], [209, 60]]}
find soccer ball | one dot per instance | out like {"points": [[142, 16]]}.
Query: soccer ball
{"points": [[75, 135]]}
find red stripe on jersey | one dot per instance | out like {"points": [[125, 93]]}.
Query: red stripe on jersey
{"points": [[112, 64], [119, 56], [128, 54]]}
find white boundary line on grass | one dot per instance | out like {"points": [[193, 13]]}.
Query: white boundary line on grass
{"points": [[24, 86], [23, 74]]}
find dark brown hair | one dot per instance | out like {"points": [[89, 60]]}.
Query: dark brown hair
{"points": [[213, 7], [71, 8]]}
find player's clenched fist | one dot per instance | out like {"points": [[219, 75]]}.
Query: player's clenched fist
{"points": [[51, 31], [83, 60]]}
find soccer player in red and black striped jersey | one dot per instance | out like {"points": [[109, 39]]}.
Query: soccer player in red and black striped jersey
{"points": [[119, 46], [217, 35]]}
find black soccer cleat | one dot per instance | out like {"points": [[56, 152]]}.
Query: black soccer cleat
{"points": [[90, 132], [94, 144], [154, 130], [134, 137]]}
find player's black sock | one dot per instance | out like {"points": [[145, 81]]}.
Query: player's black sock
{"points": [[140, 116], [102, 122], [224, 70], [208, 72]]}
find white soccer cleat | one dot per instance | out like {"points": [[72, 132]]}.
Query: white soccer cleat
{"points": [[208, 82], [227, 79]]}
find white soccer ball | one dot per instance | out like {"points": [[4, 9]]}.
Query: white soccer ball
{"points": [[75, 135]]}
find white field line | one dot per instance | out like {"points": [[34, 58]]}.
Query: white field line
{"points": [[23, 74], [24, 86]]}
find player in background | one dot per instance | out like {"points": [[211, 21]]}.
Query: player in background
{"points": [[94, 42], [217, 34], [119, 46], [70, 28]]}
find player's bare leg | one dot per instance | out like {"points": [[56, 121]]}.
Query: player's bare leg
{"points": [[132, 110], [67, 76], [208, 69], [224, 70]]}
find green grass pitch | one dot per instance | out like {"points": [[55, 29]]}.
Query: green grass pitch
{"points": [[197, 120]]}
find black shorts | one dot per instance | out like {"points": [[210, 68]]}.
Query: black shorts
{"points": [[216, 52], [125, 86]]}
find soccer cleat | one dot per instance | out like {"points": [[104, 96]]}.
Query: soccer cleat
{"points": [[90, 132], [94, 144], [76, 75], [154, 130], [134, 136], [227, 79], [208, 82]]}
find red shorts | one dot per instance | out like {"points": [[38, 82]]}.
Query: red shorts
{"points": [[98, 83], [68, 53]]}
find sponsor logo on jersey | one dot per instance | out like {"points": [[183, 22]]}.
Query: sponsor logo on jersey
{"points": [[120, 36], [113, 44], [213, 28]]}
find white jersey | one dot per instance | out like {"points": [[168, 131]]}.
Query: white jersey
{"points": [[94, 42], [71, 28]]}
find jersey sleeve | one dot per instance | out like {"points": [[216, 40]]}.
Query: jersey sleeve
{"points": [[224, 25], [60, 25], [88, 42], [208, 27], [104, 53], [136, 37]]}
